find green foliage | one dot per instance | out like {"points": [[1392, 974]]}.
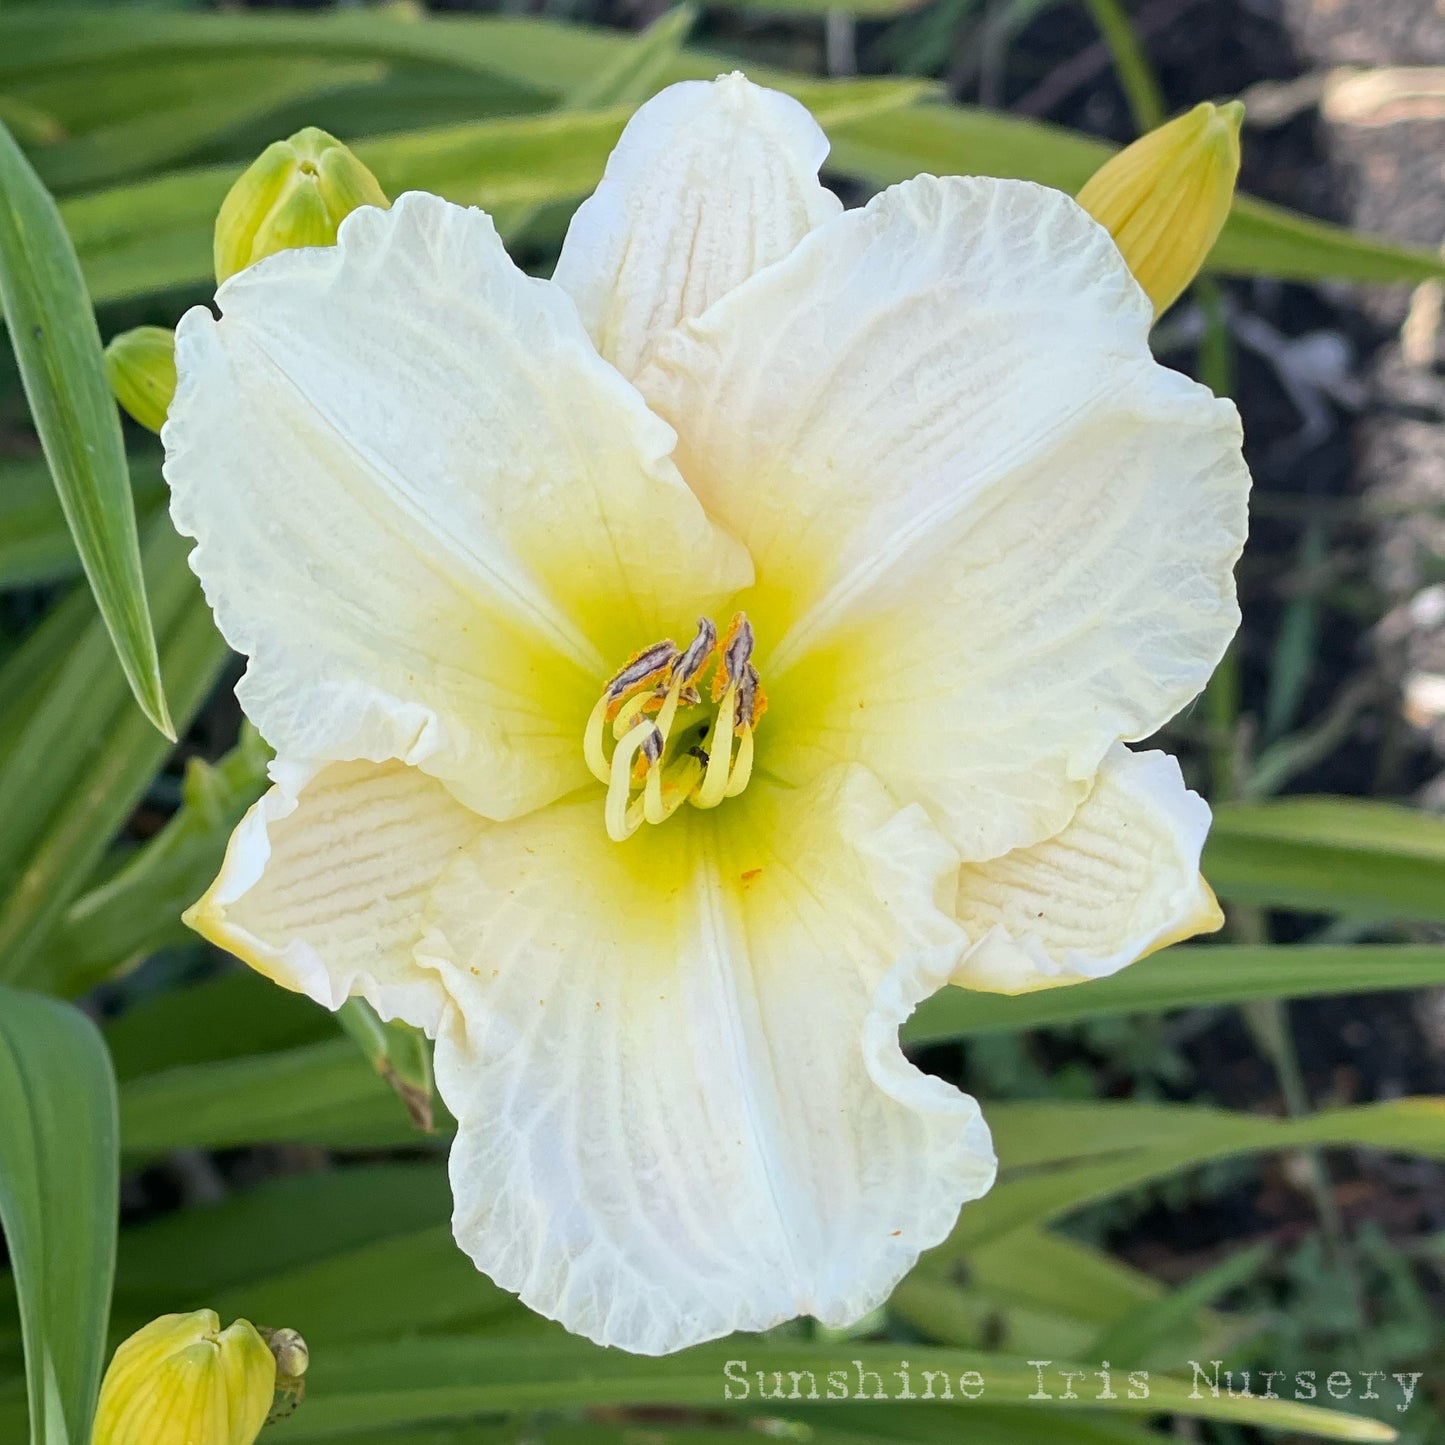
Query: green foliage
{"points": [[53, 333], [1330, 855], [65, 790], [58, 1196]]}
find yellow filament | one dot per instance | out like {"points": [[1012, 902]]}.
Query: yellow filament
{"points": [[742, 768], [715, 780], [592, 742], [628, 714], [652, 807], [674, 790], [622, 821]]}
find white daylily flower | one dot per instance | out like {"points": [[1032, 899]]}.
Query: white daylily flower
{"points": [[975, 537]]}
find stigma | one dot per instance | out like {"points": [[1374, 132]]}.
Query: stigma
{"points": [[675, 725]]}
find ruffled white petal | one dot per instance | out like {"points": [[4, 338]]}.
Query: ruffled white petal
{"points": [[683, 1109], [323, 891], [710, 182], [1120, 881], [427, 511], [992, 536]]}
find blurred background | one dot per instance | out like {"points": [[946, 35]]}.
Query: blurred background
{"points": [[1331, 705]]}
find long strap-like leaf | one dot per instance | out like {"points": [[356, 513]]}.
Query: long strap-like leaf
{"points": [[59, 1186]]}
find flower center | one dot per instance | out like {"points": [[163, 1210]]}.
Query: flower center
{"points": [[675, 725]]}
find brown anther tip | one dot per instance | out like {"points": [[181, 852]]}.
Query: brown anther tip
{"points": [[641, 668], [738, 649], [694, 659]]}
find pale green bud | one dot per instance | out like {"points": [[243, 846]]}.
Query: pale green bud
{"points": [[183, 1380], [1165, 198], [141, 368], [296, 192]]}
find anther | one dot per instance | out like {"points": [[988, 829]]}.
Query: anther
{"points": [[692, 662], [651, 663]]}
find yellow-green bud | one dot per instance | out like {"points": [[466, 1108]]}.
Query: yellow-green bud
{"points": [[141, 368], [296, 192], [183, 1380], [1165, 198]]}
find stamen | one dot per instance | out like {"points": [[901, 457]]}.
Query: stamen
{"points": [[715, 780], [737, 651], [742, 769], [666, 745], [652, 795], [649, 665], [692, 662], [628, 714], [592, 741], [622, 821]]}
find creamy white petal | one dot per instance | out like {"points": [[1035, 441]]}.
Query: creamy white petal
{"points": [[683, 1109], [1121, 881], [427, 511], [992, 536], [710, 182], [323, 890]]}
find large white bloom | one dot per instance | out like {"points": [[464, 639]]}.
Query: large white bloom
{"points": [[664, 939]]}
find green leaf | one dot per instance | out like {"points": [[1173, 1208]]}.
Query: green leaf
{"points": [[628, 80], [1056, 1158], [1032, 1292], [29, 123], [33, 667], [1258, 239], [35, 542], [546, 56], [237, 1015], [984, 1425], [382, 1289], [287, 1224], [318, 1094], [1185, 977], [67, 787], [137, 909], [558, 60], [860, 9], [59, 1187], [156, 235], [58, 350], [186, 105], [1131, 1341], [1330, 855]]}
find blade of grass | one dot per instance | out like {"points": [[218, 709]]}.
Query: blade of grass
{"points": [[1186, 977], [67, 786], [35, 542], [57, 346], [59, 1188], [1136, 76]]}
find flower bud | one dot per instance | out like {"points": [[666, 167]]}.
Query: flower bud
{"points": [[1165, 198], [182, 1380], [141, 368], [296, 192]]}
